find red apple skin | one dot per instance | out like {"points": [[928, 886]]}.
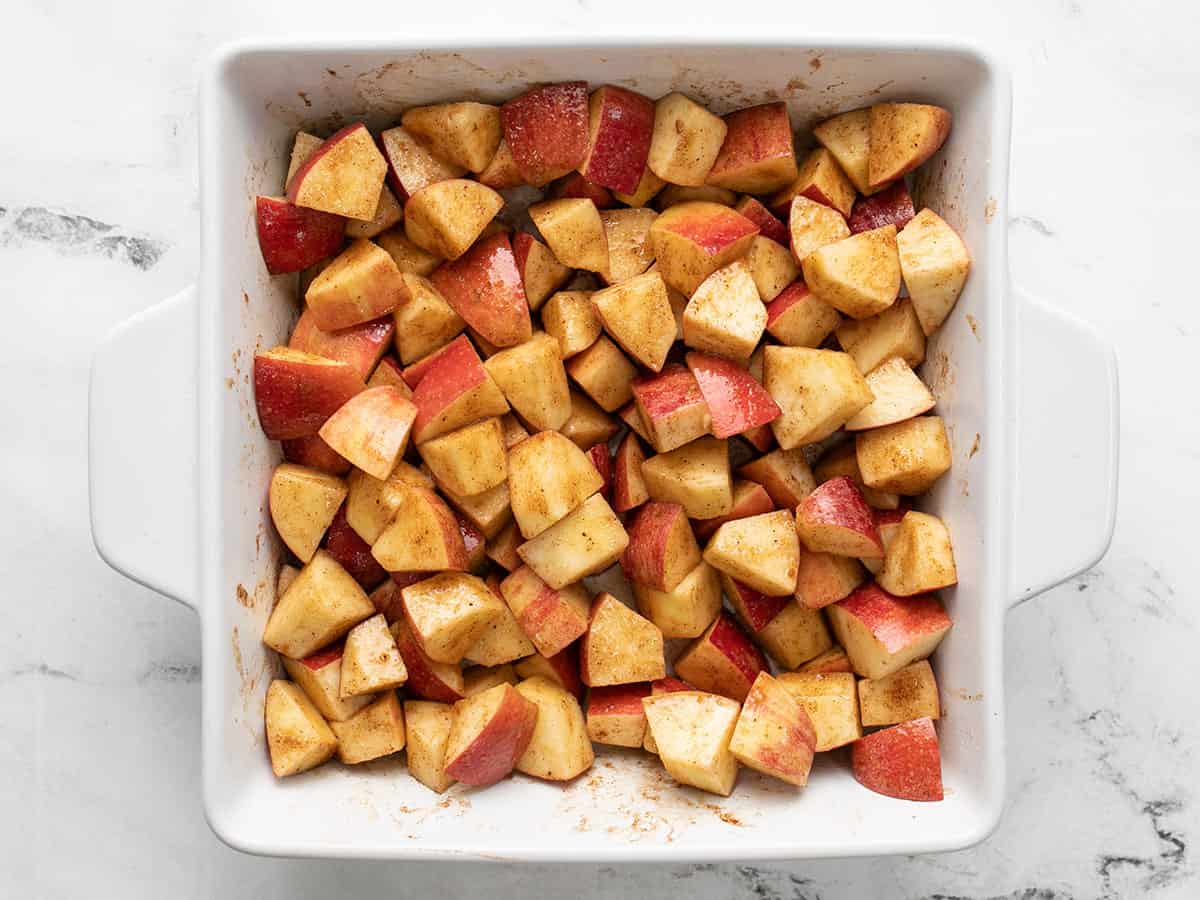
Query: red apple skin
{"points": [[891, 206], [903, 761], [292, 237], [713, 228], [576, 187], [629, 454], [352, 552], [423, 680], [494, 752], [565, 664], [895, 621], [460, 348], [649, 533], [473, 542], [839, 502], [619, 139], [669, 685], [602, 460], [618, 699], [753, 503], [293, 186], [769, 225], [455, 371], [755, 134], [670, 390], [891, 516], [756, 610], [729, 638], [312, 451], [735, 400], [547, 130], [294, 397], [362, 346], [387, 599], [484, 286], [392, 179], [319, 660], [761, 438]]}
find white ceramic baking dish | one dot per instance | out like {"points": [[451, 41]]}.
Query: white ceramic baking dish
{"points": [[1029, 395]]}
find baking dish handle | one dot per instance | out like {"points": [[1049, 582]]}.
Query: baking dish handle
{"points": [[142, 447], [1065, 477]]}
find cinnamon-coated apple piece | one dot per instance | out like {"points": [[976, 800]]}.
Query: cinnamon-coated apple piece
{"points": [[533, 380], [633, 419], [843, 460], [691, 732], [370, 660], [693, 240], [501, 173], [835, 518], [649, 185], [514, 430], [412, 164], [902, 761], [562, 668], [318, 608], [425, 322], [891, 206], [749, 499], [637, 313], [903, 135], [427, 727], [602, 460], [408, 257], [586, 541], [314, 453], [478, 679], [615, 715], [303, 503], [484, 287], [858, 275], [919, 557], [696, 476], [736, 402], [552, 618], [470, 460], [362, 346], [388, 212], [427, 678], [668, 685], [725, 316], [662, 549], [620, 646], [343, 176], [605, 374], [799, 318], [295, 392], [304, 146], [489, 733], [573, 231], [620, 128], [825, 578], [446, 217], [320, 676], [575, 186], [894, 332], [425, 538], [686, 141], [293, 237], [570, 318], [934, 262], [671, 408], [588, 424], [723, 660], [371, 429], [629, 249], [390, 374], [685, 610], [772, 267], [549, 476], [784, 474], [899, 395], [761, 551], [882, 633], [768, 223], [503, 641], [352, 552], [813, 225], [298, 739], [831, 701], [374, 732], [832, 660], [820, 179], [910, 693], [360, 284], [372, 503], [774, 734], [848, 137], [466, 134], [541, 272], [547, 130], [629, 487], [791, 633], [757, 155], [817, 390], [454, 390], [449, 612], [905, 458], [560, 748]]}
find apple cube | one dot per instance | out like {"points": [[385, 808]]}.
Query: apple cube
{"points": [[686, 610], [297, 737], [620, 128], [295, 392], [891, 206], [820, 179], [562, 668], [771, 266], [549, 476], [919, 558], [478, 679], [303, 503], [445, 218], [736, 402], [428, 729], [692, 731], [362, 346], [426, 538], [762, 551], [502, 549], [620, 647], [318, 608], [560, 748], [454, 390], [588, 424], [894, 332], [293, 237], [573, 231], [552, 618], [547, 130], [648, 186], [427, 678], [484, 287], [835, 519], [859, 275], [541, 273], [888, 522], [902, 761], [534, 382], [313, 453], [790, 632], [615, 715], [832, 660], [372, 504], [503, 641], [449, 613], [470, 460], [360, 284], [371, 429], [899, 395], [686, 142], [817, 391], [784, 475], [630, 416], [725, 315], [799, 318], [814, 225], [370, 661], [768, 224], [304, 146], [465, 134], [905, 458], [637, 313], [425, 322], [749, 499], [843, 460], [774, 734], [662, 549], [883, 634], [412, 164], [489, 733], [848, 138], [910, 693], [388, 212], [903, 135], [342, 176], [696, 476], [668, 685], [831, 701], [825, 578], [408, 257], [629, 249], [629, 487], [389, 374], [569, 317], [575, 186], [758, 155], [672, 408], [320, 677], [586, 541], [934, 262], [723, 660], [376, 731], [604, 373], [693, 240]]}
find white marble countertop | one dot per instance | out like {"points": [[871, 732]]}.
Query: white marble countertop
{"points": [[99, 737]]}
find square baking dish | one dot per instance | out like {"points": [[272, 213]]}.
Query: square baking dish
{"points": [[1029, 396]]}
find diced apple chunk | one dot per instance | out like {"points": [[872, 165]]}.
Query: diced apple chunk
{"points": [[831, 701], [569, 317], [899, 395], [320, 676], [686, 610], [686, 142], [370, 661], [549, 476], [774, 734], [858, 275], [303, 503], [586, 541], [902, 761], [371, 429], [693, 240], [445, 218], [427, 678], [903, 135], [604, 373], [723, 660], [573, 231], [466, 134], [620, 128], [905, 458], [784, 474], [375, 732], [629, 487], [934, 262], [533, 380], [671, 408], [771, 266], [637, 313], [894, 332], [615, 715], [547, 130], [504, 640], [799, 318], [821, 180], [882, 633], [662, 549], [848, 138], [761, 551], [424, 538], [817, 390], [919, 558], [629, 249], [835, 518], [692, 731], [428, 728], [470, 460], [814, 225], [342, 176], [448, 613], [362, 283], [297, 737], [824, 578], [791, 633], [725, 315], [320, 606], [757, 155], [484, 287], [552, 618], [425, 322], [559, 748], [588, 424], [455, 390], [736, 401], [832, 660], [696, 476], [478, 679], [489, 733], [910, 693]]}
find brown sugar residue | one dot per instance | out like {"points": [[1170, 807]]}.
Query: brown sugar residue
{"points": [[974, 446], [725, 816], [243, 597], [967, 696], [974, 323], [989, 210], [795, 86], [814, 62]]}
